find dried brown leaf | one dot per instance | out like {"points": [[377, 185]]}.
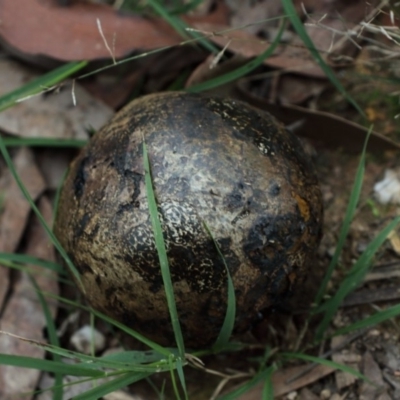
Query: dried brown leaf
{"points": [[345, 379], [45, 115], [204, 72], [16, 209], [248, 45], [244, 13], [282, 384], [329, 129], [23, 314], [71, 33], [372, 371], [53, 163], [163, 69], [37, 27], [369, 296], [329, 34], [294, 89], [112, 89]]}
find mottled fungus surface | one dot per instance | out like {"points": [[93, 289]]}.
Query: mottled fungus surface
{"points": [[214, 161]]}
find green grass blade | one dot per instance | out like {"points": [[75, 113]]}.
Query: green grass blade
{"points": [[186, 8], [28, 197], [229, 320], [50, 366], [174, 21], [354, 277], [373, 320], [53, 338], [159, 360], [350, 211], [44, 142], [35, 273], [134, 357], [181, 375], [39, 84], [180, 26], [111, 386], [102, 363], [156, 347], [25, 259], [268, 389], [299, 27], [241, 71], [162, 254], [174, 385], [259, 377]]}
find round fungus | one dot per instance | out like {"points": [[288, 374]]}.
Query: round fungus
{"points": [[214, 162]]}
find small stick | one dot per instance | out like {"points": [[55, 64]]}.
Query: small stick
{"points": [[347, 341], [105, 40]]}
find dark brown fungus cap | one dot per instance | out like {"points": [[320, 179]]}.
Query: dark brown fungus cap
{"points": [[214, 161]]}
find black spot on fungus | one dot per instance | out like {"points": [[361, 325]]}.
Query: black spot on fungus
{"points": [[126, 207], [120, 154], [80, 177], [82, 225], [83, 268], [279, 285], [274, 189], [95, 230], [269, 240], [234, 200], [109, 292], [131, 180], [179, 186]]}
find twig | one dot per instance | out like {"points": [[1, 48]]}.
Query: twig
{"points": [[105, 41], [347, 341], [73, 93], [218, 57]]}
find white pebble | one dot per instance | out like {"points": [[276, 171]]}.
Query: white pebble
{"points": [[325, 394], [82, 340], [388, 189], [292, 396]]}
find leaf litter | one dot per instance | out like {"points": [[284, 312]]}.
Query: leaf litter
{"points": [[23, 313], [73, 33], [44, 115], [373, 351]]}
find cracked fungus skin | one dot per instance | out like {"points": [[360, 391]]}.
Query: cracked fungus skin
{"points": [[213, 160]]}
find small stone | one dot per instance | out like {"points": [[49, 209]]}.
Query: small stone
{"points": [[292, 396], [325, 394], [388, 189], [87, 338]]}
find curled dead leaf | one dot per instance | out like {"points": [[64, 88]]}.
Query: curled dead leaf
{"points": [[326, 128], [34, 27], [44, 115], [71, 33]]}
